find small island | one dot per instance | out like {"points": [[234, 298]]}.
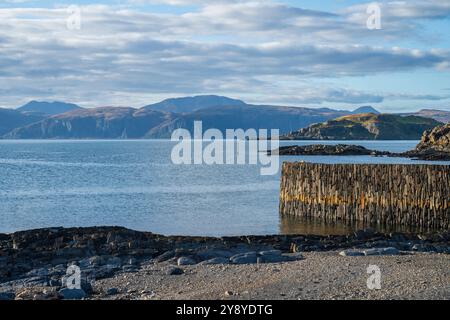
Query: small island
{"points": [[434, 145]]}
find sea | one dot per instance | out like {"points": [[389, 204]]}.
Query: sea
{"points": [[135, 184]]}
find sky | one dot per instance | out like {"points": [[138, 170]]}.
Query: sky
{"points": [[329, 53]]}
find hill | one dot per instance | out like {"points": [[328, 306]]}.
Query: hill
{"points": [[48, 108], [367, 126], [245, 117], [10, 119], [191, 104], [439, 115], [365, 109], [98, 123]]}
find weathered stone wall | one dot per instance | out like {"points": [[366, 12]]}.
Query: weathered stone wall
{"points": [[390, 195]]}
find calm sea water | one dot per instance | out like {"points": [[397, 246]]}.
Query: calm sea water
{"points": [[134, 184]]}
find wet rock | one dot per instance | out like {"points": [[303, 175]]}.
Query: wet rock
{"points": [[381, 251], [115, 262], [112, 291], [165, 256], [351, 253], [218, 260], [364, 234], [270, 253], [207, 254], [295, 256], [7, 295], [244, 258], [72, 294], [326, 150], [42, 272], [185, 261], [55, 283], [129, 268]]}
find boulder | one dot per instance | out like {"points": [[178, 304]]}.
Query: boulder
{"points": [[244, 258], [186, 261], [72, 294]]}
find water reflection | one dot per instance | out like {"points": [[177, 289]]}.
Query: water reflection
{"points": [[314, 226]]}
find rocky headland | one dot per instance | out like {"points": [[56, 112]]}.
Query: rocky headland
{"points": [[366, 126], [327, 150], [435, 145], [34, 263]]}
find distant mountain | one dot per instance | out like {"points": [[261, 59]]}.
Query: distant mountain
{"points": [[98, 123], [365, 109], [286, 119], [367, 126], [43, 120], [48, 108], [438, 115], [10, 119], [191, 104]]}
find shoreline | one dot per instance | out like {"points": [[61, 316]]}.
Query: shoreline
{"points": [[37, 260]]}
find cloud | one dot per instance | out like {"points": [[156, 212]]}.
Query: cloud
{"points": [[124, 56]]}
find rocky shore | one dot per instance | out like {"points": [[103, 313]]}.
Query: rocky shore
{"points": [[34, 264], [327, 150], [434, 146]]}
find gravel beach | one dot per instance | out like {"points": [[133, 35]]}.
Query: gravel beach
{"points": [[320, 275], [117, 263]]}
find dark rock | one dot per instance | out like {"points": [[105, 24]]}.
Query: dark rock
{"points": [[364, 234], [270, 253], [185, 261], [72, 294], [112, 291], [435, 144], [174, 271], [7, 295], [381, 252], [244, 258], [207, 254], [129, 268], [218, 260], [115, 262], [326, 150], [293, 256], [165, 256], [351, 253]]}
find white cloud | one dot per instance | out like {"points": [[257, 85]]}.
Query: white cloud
{"points": [[123, 56]]}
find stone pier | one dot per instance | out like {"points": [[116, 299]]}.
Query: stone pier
{"points": [[383, 194]]}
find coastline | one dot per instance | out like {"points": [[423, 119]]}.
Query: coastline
{"points": [[33, 262]]}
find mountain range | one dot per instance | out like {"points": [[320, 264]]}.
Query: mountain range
{"points": [[59, 120]]}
